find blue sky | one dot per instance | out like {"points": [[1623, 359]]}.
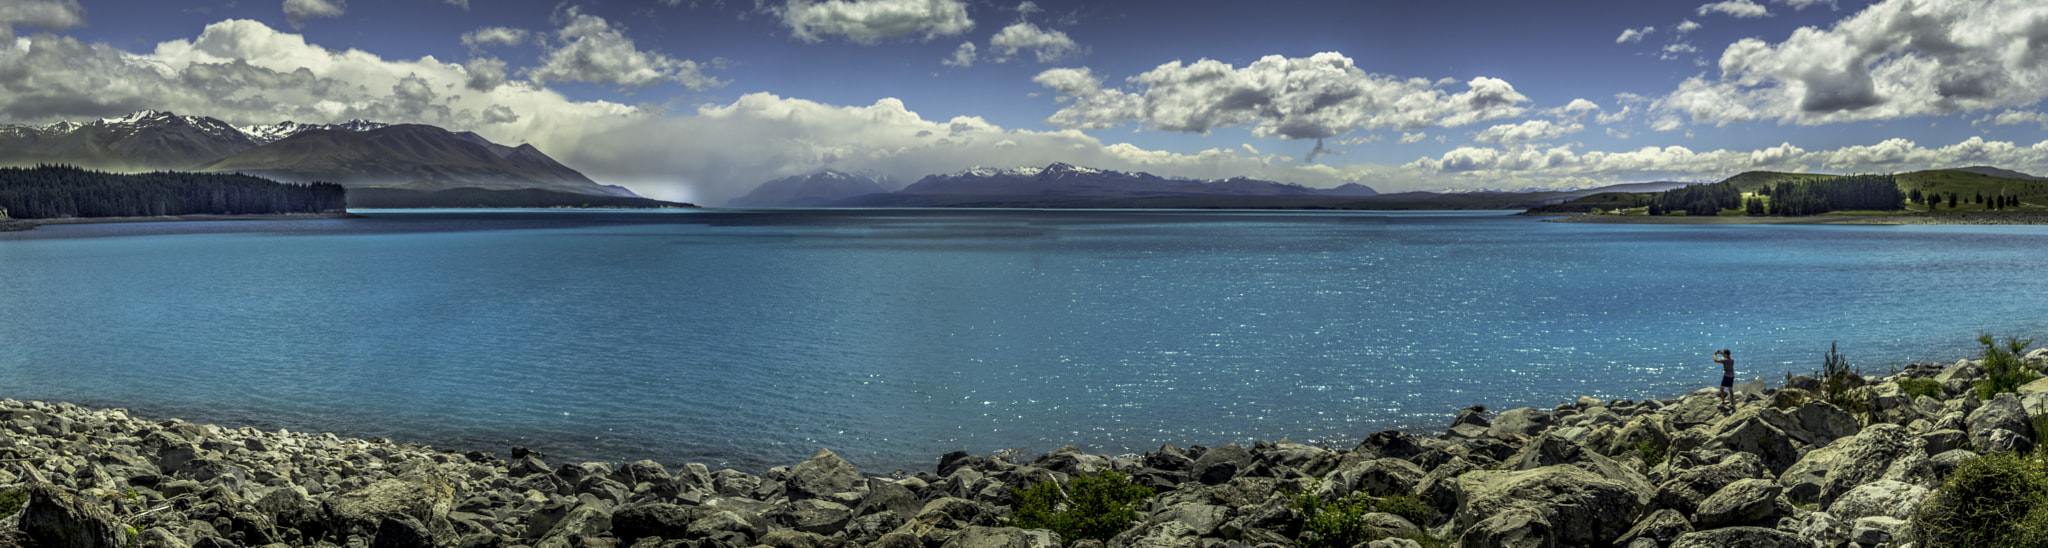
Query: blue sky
{"points": [[702, 100]]}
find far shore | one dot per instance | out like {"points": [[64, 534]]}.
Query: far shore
{"points": [[26, 224], [1961, 218]]}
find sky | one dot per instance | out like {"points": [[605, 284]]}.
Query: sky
{"points": [[700, 100]]}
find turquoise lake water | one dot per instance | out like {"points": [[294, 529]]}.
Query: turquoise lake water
{"points": [[749, 339]]}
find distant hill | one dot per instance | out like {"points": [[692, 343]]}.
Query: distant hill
{"points": [[1965, 182], [469, 197], [152, 140], [1067, 185], [408, 152], [813, 190]]}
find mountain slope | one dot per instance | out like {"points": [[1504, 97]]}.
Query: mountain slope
{"points": [[1067, 185], [404, 153], [812, 190], [144, 141]]}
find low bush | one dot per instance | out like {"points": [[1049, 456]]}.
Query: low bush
{"points": [[1651, 452], [1914, 388], [1995, 500], [2004, 371], [1094, 506], [1341, 524]]}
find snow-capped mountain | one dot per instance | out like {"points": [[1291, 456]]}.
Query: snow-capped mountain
{"points": [[1065, 184], [811, 190], [353, 153]]}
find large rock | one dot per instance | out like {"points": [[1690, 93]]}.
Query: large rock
{"points": [[1689, 487], [1881, 450], [1752, 433], [825, 476], [1525, 422], [53, 517], [1744, 502], [1219, 464], [1390, 444], [1696, 409], [664, 520], [1552, 450], [1660, 527], [362, 511], [1203, 519], [1379, 477], [1514, 527], [1003, 537], [1888, 498], [1745, 537], [1580, 506], [1164, 534], [1825, 421], [2001, 413]]}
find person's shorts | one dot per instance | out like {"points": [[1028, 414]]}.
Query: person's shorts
{"points": [[1727, 382]]}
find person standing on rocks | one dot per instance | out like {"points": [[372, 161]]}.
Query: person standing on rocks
{"points": [[1727, 362]]}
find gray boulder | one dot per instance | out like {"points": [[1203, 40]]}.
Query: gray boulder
{"points": [[1825, 421], [1218, 464], [2004, 412], [1888, 498], [1660, 527], [1689, 487], [1003, 537], [1379, 477], [53, 517], [1869, 456], [1744, 502], [1203, 519], [1513, 527], [1941, 441], [1750, 432], [825, 476], [1744, 537], [1524, 422], [1999, 440], [1581, 507]]}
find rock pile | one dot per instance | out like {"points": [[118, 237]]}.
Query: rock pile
{"points": [[1778, 468]]}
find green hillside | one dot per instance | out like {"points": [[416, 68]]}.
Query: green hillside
{"points": [[1972, 188]]}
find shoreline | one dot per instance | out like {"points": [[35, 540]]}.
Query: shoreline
{"points": [[1781, 464], [1963, 218], [180, 218]]}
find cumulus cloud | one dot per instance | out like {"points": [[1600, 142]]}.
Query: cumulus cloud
{"points": [[1686, 26], [2014, 118], [1630, 36], [47, 14], [590, 49], [499, 114], [1578, 109], [1291, 98], [1895, 59], [1046, 44], [298, 11], [1744, 9], [1564, 164], [963, 56], [464, 4], [1532, 130], [871, 21], [485, 73], [1412, 138], [493, 36]]}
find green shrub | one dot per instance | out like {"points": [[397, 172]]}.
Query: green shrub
{"points": [[1341, 524], [1652, 454], [1995, 500], [1914, 388], [11, 501], [1838, 384], [2003, 369], [1098, 507]]}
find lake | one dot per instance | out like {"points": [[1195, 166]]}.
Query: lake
{"points": [[751, 338]]}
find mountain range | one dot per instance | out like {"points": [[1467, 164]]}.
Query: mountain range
{"points": [[1056, 185], [355, 154]]}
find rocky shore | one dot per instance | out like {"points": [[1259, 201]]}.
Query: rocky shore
{"points": [[1780, 467], [1922, 218]]}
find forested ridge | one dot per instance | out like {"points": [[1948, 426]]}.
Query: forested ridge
{"points": [[50, 191]]}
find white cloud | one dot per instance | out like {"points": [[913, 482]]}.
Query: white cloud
{"points": [[485, 73], [493, 36], [871, 21], [1324, 95], [963, 56], [1744, 9], [48, 14], [1578, 108], [1048, 45], [1532, 130], [1630, 36], [1676, 50], [1687, 26], [1895, 59], [464, 4], [1412, 138], [298, 11], [1803, 4], [590, 49], [1563, 163], [1608, 118], [2014, 118]]}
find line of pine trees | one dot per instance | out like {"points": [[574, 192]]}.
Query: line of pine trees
{"points": [[53, 191], [1817, 196], [1708, 199]]}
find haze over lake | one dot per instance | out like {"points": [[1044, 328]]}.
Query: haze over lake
{"points": [[752, 338]]}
